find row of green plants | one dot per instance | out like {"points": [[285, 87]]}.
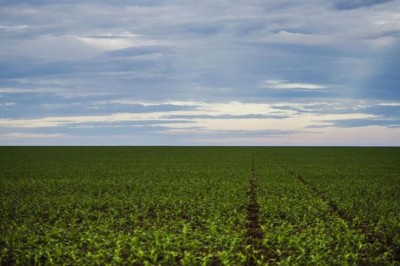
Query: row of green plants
{"points": [[123, 206], [364, 185], [189, 206], [301, 228]]}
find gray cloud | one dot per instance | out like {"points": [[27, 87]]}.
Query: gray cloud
{"points": [[353, 4], [71, 58], [391, 123]]}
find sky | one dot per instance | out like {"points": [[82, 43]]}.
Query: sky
{"points": [[184, 72]]}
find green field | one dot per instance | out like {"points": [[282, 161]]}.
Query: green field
{"points": [[199, 206]]}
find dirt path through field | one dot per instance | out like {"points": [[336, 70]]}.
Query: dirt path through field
{"points": [[254, 232]]}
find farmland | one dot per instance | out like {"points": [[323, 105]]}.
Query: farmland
{"points": [[199, 205]]}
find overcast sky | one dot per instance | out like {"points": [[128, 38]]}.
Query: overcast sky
{"points": [[183, 72]]}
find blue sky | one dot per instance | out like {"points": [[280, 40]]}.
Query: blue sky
{"points": [[155, 72]]}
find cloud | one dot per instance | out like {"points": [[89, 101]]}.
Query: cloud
{"points": [[285, 85], [286, 37], [154, 68], [49, 47], [353, 4], [208, 119], [26, 90], [18, 135], [349, 123], [196, 109], [148, 103], [8, 104], [14, 27], [395, 104], [118, 40], [138, 51]]}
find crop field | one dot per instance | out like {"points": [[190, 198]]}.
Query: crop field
{"points": [[199, 206]]}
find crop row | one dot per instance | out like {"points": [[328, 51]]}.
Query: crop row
{"points": [[172, 210], [363, 183], [300, 227], [197, 206]]}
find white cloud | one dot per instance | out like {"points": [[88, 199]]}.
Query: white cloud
{"points": [[8, 104], [119, 40], [285, 85], [389, 104], [105, 44], [238, 108], [18, 135], [202, 108], [199, 117], [13, 28], [67, 120]]}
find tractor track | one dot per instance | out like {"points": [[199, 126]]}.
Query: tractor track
{"points": [[387, 244], [254, 233]]}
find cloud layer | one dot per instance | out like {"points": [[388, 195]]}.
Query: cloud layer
{"points": [[182, 73]]}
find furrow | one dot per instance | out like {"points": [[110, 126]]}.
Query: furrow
{"points": [[387, 245], [254, 232]]}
